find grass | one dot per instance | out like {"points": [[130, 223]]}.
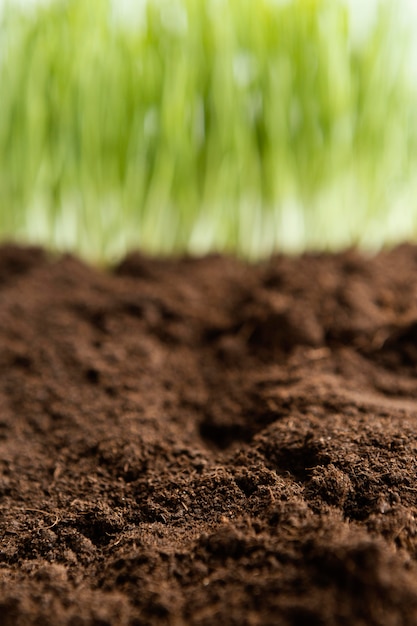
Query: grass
{"points": [[230, 125]]}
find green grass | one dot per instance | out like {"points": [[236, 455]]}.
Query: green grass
{"points": [[230, 125]]}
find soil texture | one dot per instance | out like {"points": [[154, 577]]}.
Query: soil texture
{"points": [[207, 442]]}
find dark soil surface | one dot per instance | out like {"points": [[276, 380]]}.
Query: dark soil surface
{"points": [[207, 442]]}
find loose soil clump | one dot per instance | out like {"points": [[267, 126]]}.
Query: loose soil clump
{"points": [[203, 441]]}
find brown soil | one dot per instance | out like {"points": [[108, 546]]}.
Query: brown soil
{"points": [[207, 442]]}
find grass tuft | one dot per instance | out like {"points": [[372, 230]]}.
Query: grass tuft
{"points": [[192, 126]]}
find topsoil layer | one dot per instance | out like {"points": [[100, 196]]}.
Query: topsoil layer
{"points": [[207, 442]]}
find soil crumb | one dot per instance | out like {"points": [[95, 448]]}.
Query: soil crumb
{"points": [[206, 442]]}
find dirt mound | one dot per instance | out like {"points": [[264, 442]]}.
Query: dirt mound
{"points": [[201, 441]]}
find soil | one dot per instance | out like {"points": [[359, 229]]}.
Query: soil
{"points": [[203, 441]]}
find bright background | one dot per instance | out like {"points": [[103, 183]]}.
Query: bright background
{"points": [[232, 125]]}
